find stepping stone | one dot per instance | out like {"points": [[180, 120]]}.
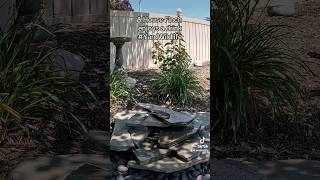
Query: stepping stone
{"points": [[175, 118], [188, 150], [148, 156], [121, 138], [170, 164], [173, 136]]}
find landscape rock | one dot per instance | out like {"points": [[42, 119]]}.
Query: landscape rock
{"points": [[153, 121], [281, 8], [131, 81], [145, 156], [138, 136], [175, 118], [187, 150], [173, 136], [122, 169], [121, 138], [170, 164], [68, 64]]}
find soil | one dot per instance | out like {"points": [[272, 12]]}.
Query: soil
{"points": [[291, 136]]}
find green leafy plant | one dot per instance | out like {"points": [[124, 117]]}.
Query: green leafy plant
{"points": [[249, 64], [31, 91], [119, 88], [170, 54], [177, 85]]}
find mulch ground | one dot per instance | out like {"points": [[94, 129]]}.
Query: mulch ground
{"points": [[144, 93]]}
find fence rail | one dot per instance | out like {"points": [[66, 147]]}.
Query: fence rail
{"points": [[75, 11], [138, 53]]}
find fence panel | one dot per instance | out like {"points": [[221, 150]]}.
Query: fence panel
{"points": [[138, 53]]}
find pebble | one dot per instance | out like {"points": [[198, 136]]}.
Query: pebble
{"points": [[120, 177], [130, 177], [207, 177], [199, 177], [122, 169], [122, 162]]}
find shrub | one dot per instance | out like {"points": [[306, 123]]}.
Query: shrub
{"points": [[122, 5], [177, 85], [30, 89], [170, 55], [119, 88], [249, 64]]}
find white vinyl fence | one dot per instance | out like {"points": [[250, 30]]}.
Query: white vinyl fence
{"points": [[138, 53]]}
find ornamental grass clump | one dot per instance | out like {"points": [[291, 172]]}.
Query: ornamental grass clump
{"points": [[31, 91], [176, 83], [249, 64]]}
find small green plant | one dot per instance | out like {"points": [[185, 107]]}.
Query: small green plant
{"points": [[119, 88], [177, 85], [170, 55], [249, 64]]}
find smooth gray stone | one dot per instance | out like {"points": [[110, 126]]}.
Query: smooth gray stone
{"points": [[68, 64], [200, 177], [122, 169], [170, 164], [121, 138], [175, 118], [206, 177], [173, 136]]}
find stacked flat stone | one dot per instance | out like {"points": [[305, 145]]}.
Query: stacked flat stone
{"points": [[162, 140]]}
